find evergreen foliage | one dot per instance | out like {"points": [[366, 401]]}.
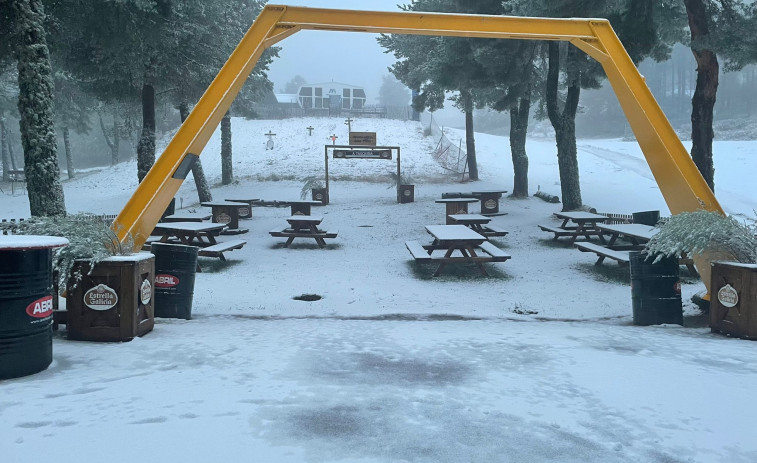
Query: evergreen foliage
{"points": [[35, 106], [88, 236], [696, 232]]}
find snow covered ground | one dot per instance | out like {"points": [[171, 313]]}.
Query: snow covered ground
{"points": [[538, 362]]}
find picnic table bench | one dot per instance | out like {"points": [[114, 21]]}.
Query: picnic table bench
{"points": [[218, 249], [585, 225], [478, 223], [459, 244], [304, 226], [604, 252]]}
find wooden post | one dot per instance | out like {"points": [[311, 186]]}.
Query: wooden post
{"points": [[398, 175], [326, 162]]}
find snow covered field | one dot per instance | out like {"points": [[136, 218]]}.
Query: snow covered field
{"points": [[539, 362]]}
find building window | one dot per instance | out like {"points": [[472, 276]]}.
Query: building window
{"points": [[346, 93], [318, 91], [318, 101]]}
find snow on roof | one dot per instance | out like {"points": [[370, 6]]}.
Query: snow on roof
{"points": [[286, 98]]}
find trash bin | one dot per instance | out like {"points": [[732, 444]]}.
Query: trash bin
{"points": [[406, 194], [26, 303], [655, 290], [175, 268], [646, 217]]}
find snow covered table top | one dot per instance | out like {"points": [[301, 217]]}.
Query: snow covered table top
{"points": [[23, 242]]}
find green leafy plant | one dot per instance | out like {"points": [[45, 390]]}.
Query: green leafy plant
{"points": [[695, 232], [88, 235], [403, 179], [308, 183]]}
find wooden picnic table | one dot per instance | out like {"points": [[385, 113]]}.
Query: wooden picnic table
{"points": [[585, 224], [202, 234], [245, 212], [302, 206], [186, 216], [227, 213], [456, 206], [489, 200], [304, 226], [451, 238], [478, 223], [636, 234]]}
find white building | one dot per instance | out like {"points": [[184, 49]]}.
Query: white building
{"points": [[331, 95]]}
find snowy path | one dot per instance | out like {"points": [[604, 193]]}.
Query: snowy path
{"points": [[218, 388]]}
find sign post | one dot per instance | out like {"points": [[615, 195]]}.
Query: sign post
{"points": [[310, 131]]}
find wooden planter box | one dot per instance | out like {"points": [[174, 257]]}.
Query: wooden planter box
{"points": [[733, 300], [114, 302], [320, 194], [406, 194]]}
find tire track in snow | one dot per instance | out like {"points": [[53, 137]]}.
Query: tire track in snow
{"points": [[624, 161]]}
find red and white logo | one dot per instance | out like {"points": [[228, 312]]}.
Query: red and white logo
{"points": [[166, 281], [40, 308]]}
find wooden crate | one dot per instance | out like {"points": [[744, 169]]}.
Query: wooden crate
{"points": [[131, 279], [733, 299]]}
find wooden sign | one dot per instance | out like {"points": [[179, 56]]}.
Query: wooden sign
{"points": [[363, 138], [363, 154]]}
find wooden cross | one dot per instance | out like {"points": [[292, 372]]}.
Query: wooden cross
{"points": [[348, 123], [333, 138], [269, 143], [310, 131]]}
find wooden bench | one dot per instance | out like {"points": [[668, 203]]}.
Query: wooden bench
{"points": [[486, 252], [290, 234], [497, 254], [569, 231], [604, 252], [218, 249], [491, 230], [418, 252]]}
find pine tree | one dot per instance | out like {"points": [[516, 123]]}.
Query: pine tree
{"points": [[35, 106]]}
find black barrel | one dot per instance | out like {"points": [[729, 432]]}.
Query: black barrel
{"points": [[655, 290], [646, 217], [175, 268], [26, 311]]}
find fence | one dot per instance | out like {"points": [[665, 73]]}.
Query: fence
{"points": [[449, 156]]}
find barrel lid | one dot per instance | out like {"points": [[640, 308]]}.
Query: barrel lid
{"points": [[23, 242]]}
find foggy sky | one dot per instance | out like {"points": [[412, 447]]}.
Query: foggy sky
{"points": [[348, 57]]}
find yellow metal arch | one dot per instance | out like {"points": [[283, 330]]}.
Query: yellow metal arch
{"points": [[679, 180]]}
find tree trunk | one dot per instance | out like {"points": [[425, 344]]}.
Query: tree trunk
{"points": [[4, 142], [470, 140], [518, 129], [114, 143], [146, 145], [227, 176], [203, 190], [35, 105], [69, 155], [564, 124], [703, 101]]}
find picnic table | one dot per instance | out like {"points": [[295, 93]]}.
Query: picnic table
{"points": [[186, 216], [489, 200], [584, 224], [202, 234], [245, 212], [456, 206], [304, 226], [227, 213], [478, 223], [302, 206], [635, 234], [456, 244]]}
